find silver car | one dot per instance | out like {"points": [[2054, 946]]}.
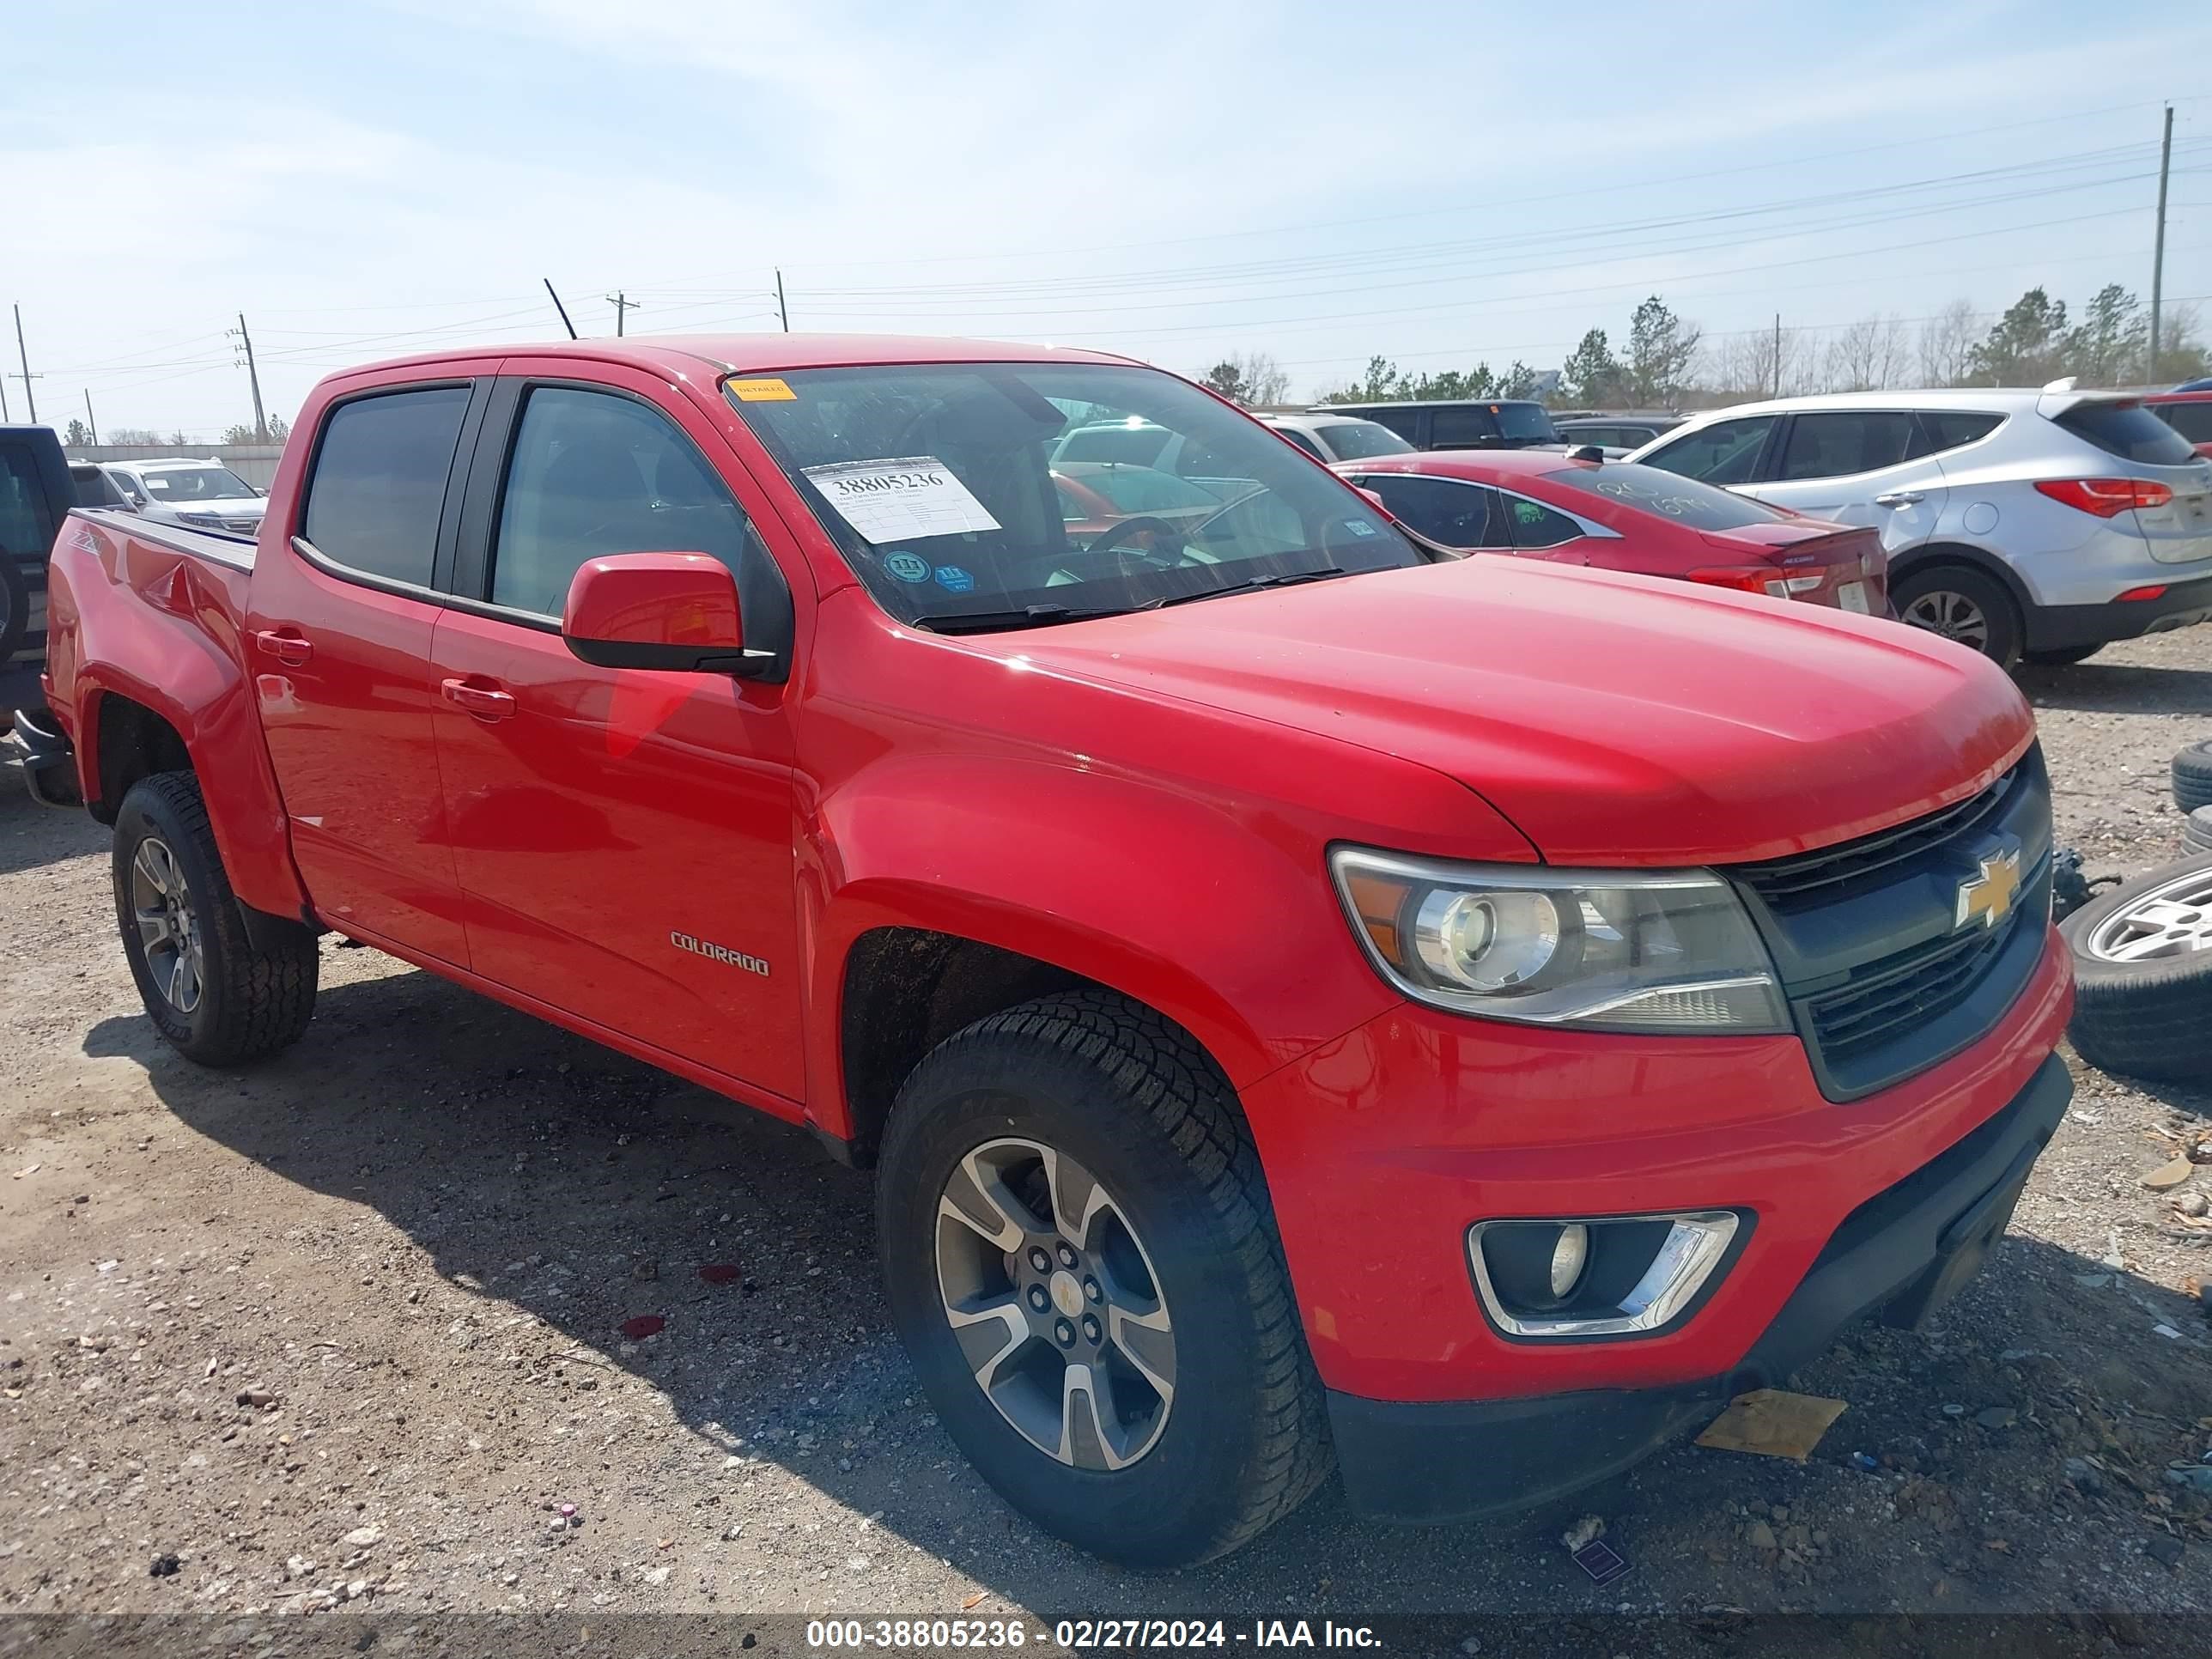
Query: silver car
{"points": [[2036, 525]]}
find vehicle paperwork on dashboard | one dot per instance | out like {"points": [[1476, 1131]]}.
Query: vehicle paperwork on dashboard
{"points": [[903, 499]]}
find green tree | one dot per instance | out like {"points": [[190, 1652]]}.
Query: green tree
{"points": [[2023, 346], [1591, 374], [1518, 382], [2106, 347], [1227, 378], [1661, 350], [78, 434]]}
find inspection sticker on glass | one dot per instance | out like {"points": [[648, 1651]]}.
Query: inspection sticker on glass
{"points": [[895, 501]]}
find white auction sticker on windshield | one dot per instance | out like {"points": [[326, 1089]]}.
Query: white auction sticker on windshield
{"points": [[903, 499]]}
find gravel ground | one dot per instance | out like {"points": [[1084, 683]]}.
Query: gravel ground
{"points": [[344, 1331]]}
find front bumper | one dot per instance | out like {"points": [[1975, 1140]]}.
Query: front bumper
{"points": [[1903, 1251], [2063, 627]]}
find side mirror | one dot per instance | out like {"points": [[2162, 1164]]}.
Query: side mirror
{"points": [[669, 610]]}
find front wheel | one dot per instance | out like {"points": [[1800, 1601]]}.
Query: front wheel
{"points": [[1082, 1261], [1962, 605], [207, 988]]}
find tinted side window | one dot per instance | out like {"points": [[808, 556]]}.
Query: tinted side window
{"points": [[2192, 421], [27, 525], [1292, 435], [1405, 422], [592, 473], [379, 480], [1950, 428], [1724, 452], [1462, 428], [1834, 446], [1456, 514], [1534, 525]]}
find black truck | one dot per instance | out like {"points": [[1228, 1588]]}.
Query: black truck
{"points": [[36, 492]]}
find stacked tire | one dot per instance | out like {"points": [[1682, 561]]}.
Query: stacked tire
{"points": [[2143, 972], [2192, 776], [2196, 833]]}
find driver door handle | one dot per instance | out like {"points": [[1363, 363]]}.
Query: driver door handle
{"points": [[287, 645], [1900, 498], [486, 702]]}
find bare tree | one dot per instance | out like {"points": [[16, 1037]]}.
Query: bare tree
{"points": [[1745, 364], [1868, 355], [1253, 379], [1947, 344]]}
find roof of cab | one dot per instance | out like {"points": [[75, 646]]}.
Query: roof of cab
{"points": [[683, 356]]}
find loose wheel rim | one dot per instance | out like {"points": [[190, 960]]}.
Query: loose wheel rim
{"points": [[1055, 1305], [1952, 615], [2173, 919], [168, 927]]}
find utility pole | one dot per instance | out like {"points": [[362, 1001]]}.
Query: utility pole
{"points": [[783, 315], [91, 419], [2158, 257], [1777, 353], [624, 307], [24, 356], [253, 380]]}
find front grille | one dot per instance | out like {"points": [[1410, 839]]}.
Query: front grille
{"points": [[1808, 878], [1882, 982], [1910, 989]]}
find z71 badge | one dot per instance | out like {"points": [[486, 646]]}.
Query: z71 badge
{"points": [[713, 952]]}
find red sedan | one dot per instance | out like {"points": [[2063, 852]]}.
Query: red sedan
{"points": [[1540, 504]]}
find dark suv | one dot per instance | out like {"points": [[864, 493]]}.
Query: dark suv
{"points": [[1499, 423], [36, 493]]}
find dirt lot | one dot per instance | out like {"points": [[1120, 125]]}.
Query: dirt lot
{"points": [[417, 1235]]}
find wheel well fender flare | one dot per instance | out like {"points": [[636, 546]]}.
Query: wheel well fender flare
{"points": [[1974, 558]]}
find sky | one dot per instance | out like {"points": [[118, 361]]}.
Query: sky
{"points": [[1437, 184]]}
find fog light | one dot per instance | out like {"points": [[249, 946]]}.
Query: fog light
{"points": [[1568, 1257], [1629, 1275]]}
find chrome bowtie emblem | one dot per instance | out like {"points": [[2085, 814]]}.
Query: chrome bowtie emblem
{"points": [[1987, 897]]}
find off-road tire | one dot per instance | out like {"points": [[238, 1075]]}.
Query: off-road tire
{"points": [[2148, 1019], [252, 1002], [1988, 595], [2064, 658], [15, 606], [1138, 1102], [2192, 776]]}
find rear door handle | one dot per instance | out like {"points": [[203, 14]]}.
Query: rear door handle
{"points": [[288, 646], [1900, 498], [486, 702]]}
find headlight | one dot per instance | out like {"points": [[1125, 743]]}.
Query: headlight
{"points": [[1662, 950]]}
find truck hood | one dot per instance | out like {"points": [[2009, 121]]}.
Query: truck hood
{"points": [[1616, 720]]}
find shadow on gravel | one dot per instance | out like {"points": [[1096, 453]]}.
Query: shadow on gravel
{"points": [[31, 835], [2116, 688], [585, 1190]]}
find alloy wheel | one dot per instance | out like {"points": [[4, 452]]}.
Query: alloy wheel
{"points": [[1952, 615], [168, 929], [2172, 920], [1055, 1305]]}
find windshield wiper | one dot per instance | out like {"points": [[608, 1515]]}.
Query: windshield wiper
{"points": [[1291, 580], [983, 622]]}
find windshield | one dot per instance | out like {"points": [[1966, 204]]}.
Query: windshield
{"points": [[1652, 490], [960, 494], [196, 483], [1356, 441]]}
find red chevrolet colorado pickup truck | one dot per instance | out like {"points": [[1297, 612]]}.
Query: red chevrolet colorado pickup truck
{"points": [[1307, 1000]]}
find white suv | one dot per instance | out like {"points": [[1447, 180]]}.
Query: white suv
{"points": [[205, 495], [2042, 524]]}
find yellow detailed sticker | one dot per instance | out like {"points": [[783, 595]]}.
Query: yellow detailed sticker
{"points": [[761, 392]]}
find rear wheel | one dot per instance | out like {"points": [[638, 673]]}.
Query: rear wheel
{"points": [[214, 996], [2065, 659], [1083, 1263], [1962, 605]]}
